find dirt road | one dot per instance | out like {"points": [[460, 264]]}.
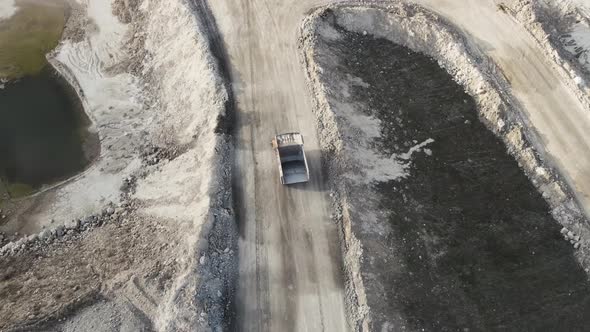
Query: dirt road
{"points": [[290, 263]]}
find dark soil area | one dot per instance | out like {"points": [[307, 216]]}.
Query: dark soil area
{"points": [[43, 133], [474, 244]]}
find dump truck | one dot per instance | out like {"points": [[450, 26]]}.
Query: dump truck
{"points": [[291, 158]]}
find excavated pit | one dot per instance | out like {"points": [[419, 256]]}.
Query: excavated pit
{"points": [[458, 238]]}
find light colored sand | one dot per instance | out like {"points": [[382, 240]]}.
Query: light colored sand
{"points": [[113, 103], [7, 9], [178, 103]]}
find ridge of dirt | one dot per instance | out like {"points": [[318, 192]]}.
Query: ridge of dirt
{"points": [[162, 256]]}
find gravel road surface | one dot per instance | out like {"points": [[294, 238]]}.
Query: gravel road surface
{"points": [[560, 119], [290, 263]]}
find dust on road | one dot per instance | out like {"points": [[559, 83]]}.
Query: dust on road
{"points": [[290, 262]]}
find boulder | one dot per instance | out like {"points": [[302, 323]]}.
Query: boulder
{"points": [[60, 231], [72, 224], [10, 246], [45, 235]]}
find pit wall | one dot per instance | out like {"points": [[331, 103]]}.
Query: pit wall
{"points": [[422, 31], [186, 80]]}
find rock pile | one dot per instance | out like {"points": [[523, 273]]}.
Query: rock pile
{"points": [[572, 237], [3, 239], [111, 213], [69, 230], [153, 154]]}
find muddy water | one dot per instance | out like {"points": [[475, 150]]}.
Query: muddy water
{"points": [[477, 249], [43, 133], [43, 129], [33, 30]]}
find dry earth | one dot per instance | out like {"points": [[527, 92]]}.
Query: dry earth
{"points": [[145, 239], [7, 9]]}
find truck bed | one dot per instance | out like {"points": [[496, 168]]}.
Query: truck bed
{"points": [[294, 171], [292, 161]]}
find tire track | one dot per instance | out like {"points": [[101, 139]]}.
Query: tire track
{"points": [[289, 288]]}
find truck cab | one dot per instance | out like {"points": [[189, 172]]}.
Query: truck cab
{"points": [[291, 158]]}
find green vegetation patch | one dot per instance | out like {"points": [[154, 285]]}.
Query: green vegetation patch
{"points": [[25, 38], [18, 190], [14, 190]]}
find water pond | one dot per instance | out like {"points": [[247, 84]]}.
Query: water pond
{"points": [[44, 136]]}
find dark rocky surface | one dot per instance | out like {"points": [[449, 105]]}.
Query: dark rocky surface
{"points": [[470, 245]]}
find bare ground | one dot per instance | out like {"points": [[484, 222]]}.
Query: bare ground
{"points": [[107, 273], [144, 239], [54, 282]]}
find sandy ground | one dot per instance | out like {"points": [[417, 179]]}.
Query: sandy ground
{"points": [[128, 265], [565, 26], [576, 37], [155, 206], [290, 262], [152, 80], [7, 9], [111, 101], [579, 43]]}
